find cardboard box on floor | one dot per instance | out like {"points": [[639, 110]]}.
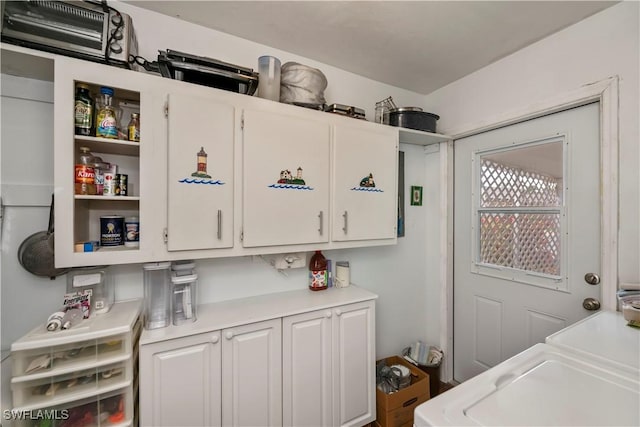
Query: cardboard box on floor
{"points": [[396, 409]]}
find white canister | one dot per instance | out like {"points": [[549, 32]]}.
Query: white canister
{"points": [[132, 232], [269, 78], [342, 274]]}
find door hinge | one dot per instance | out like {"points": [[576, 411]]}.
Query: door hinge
{"points": [[241, 234], [165, 235], [166, 109], [242, 121]]}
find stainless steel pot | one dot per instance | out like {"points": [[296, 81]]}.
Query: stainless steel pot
{"points": [[413, 118]]}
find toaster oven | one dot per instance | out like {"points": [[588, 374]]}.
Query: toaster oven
{"points": [[84, 29]]}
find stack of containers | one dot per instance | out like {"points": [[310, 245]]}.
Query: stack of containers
{"points": [[183, 283], [157, 300]]}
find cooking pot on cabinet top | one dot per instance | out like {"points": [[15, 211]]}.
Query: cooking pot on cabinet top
{"points": [[412, 118]]}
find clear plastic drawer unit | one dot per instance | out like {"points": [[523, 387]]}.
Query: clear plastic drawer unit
{"points": [[89, 370]]}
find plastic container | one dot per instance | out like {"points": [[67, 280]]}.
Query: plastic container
{"points": [[318, 279], [96, 280], [184, 299], [85, 174], [157, 295], [106, 119], [269, 79]]}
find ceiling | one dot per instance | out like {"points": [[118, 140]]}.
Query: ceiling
{"points": [[416, 45]]}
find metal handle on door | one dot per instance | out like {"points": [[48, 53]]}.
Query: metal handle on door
{"points": [[592, 278], [219, 224], [345, 215], [591, 304], [320, 216]]}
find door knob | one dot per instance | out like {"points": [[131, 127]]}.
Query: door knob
{"points": [[592, 278], [591, 304], [215, 339], [229, 335]]}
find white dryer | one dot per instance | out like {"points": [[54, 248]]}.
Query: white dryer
{"points": [[569, 381]]}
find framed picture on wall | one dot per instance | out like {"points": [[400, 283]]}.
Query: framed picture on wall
{"points": [[416, 195]]}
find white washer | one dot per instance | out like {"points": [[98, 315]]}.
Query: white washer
{"points": [[603, 336], [568, 384]]}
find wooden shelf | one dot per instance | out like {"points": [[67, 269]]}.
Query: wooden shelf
{"points": [[109, 146], [110, 198], [417, 137]]}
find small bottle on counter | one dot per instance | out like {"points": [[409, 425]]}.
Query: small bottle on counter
{"points": [[134, 128], [106, 119], [318, 276]]}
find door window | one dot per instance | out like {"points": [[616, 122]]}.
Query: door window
{"points": [[519, 212]]}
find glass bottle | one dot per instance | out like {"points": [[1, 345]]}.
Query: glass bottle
{"points": [[106, 119], [133, 129], [85, 173], [318, 277], [83, 110]]}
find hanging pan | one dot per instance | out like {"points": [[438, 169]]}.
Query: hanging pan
{"points": [[36, 255]]}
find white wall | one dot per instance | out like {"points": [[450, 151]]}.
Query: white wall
{"points": [[397, 273], [603, 45]]}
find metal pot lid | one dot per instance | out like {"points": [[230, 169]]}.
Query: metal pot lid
{"points": [[403, 109]]}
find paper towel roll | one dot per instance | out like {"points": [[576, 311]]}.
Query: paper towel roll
{"points": [[342, 274]]}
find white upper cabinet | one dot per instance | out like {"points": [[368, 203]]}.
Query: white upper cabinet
{"points": [[78, 216], [200, 173], [365, 171], [286, 179]]}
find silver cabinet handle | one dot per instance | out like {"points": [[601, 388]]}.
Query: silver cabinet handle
{"points": [[345, 215], [219, 224], [320, 216]]}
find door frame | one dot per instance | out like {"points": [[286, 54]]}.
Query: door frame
{"points": [[606, 93]]}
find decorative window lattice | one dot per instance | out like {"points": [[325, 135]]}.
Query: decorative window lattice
{"points": [[505, 186], [521, 240]]}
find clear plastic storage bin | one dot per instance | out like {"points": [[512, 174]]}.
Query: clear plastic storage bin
{"points": [[157, 295]]}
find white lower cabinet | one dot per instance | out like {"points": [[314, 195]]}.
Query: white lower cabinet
{"points": [[310, 363], [181, 379], [329, 367]]}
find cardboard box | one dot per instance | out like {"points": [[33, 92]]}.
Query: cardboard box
{"points": [[396, 409]]}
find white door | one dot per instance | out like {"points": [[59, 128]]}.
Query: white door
{"points": [[180, 382], [286, 180], [252, 375], [527, 232], [200, 186], [354, 388], [307, 374], [365, 168]]}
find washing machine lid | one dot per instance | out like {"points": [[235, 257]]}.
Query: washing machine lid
{"points": [[542, 386], [604, 336]]}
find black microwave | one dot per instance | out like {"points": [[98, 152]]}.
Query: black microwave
{"points": [[83, 29]]}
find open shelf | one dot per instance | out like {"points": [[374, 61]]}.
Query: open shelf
{"points": [[417, 137], [109, 146]]}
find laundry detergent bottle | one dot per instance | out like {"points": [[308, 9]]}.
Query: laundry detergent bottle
{"points": [[318, 276]]}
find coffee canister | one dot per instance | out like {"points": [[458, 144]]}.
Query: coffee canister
{"points": [[111, 230], [132, 232]]}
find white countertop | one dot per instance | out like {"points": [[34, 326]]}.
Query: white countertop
{"points": [[227, 314]]}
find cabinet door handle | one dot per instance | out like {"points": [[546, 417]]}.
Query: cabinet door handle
{"points": [[345, 215], [219, 224], [338, 312], [215, 339], [229, 335], [328, 314], [320, 215]]}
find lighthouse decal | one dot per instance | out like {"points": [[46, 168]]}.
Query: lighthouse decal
{"points": [[200, 176], [367, 184], [288, 181]]}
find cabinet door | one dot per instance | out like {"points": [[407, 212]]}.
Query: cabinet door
{"points": [[252, 375], [180, 382], [365, 186], [200, 163], [354, 364], [286, 179], [307, 376]]}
